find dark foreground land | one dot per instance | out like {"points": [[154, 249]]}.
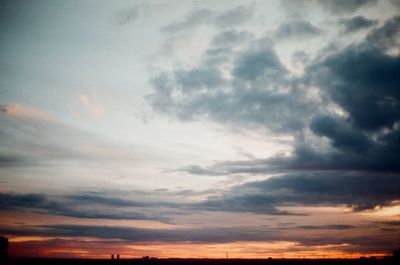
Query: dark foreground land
{"points": [[202, 261]]}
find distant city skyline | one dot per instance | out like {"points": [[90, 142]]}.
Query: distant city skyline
{"points": [[200, 128]]}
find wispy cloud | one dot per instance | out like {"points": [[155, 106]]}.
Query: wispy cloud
{"points": [[20, 111], [231, 17], [357, 23]]}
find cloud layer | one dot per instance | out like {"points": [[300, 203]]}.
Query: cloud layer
{"points": [[270, 125]]}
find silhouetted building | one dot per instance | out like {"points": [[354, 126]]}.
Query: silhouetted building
{"points": [[3, 248], [396, 254], [117, 256], [112, 256]]}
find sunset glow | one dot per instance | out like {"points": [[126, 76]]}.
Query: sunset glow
{"points": [[200, 129]]}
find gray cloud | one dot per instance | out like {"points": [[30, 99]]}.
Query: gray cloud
{"points": [[115, 234], [132, 234], [385, 37], [235, 16], [338, 7], [345, 6], [224, 47], [196, 235], [356, 92], [253, 166], [198, 78], [195, 18], [230, 38], [296, 30], [357, 23], [359, 191], [259, 63], [395, 3], [232, 17], [354, 190], [381, 156], [83, 206], [341, 134], [260, 93], [7, 160], [127, 15], [359, 165], [197, 170], [366, 139], [327, 227]]}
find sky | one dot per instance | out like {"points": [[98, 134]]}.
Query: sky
{"points": [[200, 128]]}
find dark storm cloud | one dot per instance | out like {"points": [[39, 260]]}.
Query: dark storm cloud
{"points": [[367, 139], [159, 205], [82, 206], [12, 201], [360, 192], [369, 94], [357, 23], [341, 134], [132, 234], [379, 156], [297, 29], [231, 17], [357, 91]]}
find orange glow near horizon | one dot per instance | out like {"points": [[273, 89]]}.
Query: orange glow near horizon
{"points": [[94, 249]]}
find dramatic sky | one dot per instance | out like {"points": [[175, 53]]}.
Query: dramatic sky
{"points": [[179, 128]]}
